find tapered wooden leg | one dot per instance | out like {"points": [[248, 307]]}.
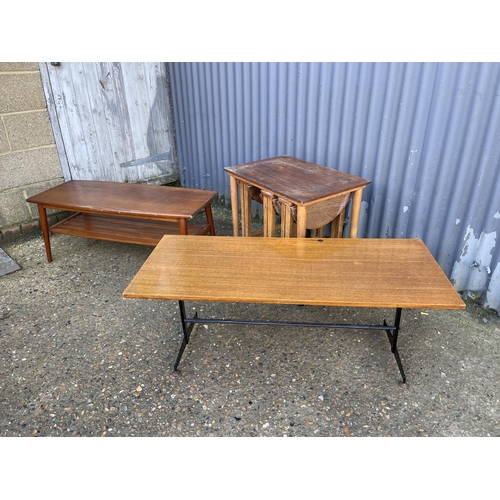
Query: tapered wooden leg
{"points": [[210, 219], [183, 228], [45, 229], [234, 205]]}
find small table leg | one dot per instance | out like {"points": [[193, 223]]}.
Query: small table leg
{"points": [[183, 226], [356, 209], [246, 209], [269, 214], [338, 225], [234, 205], [210, 219], [301, 221], [45, 229], [286, 218]]}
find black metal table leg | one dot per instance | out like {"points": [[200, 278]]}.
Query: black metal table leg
{"points": [[393, 339], [391, 330], [186, 333]]}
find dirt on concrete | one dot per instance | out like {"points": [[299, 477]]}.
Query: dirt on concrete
{"points": [[78, 359]]}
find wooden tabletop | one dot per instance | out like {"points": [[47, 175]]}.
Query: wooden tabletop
{"points": [[125, 198], [327, 272], [297, 180]]}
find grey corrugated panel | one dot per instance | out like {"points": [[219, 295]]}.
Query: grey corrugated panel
{"points": [[426, 134]]}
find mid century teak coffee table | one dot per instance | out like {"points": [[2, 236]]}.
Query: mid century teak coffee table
{"points": [[380, 273], [124, 212]]}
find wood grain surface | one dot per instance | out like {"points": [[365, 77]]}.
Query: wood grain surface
{"points": [[133, 200], [297, 180], [328, 272]]}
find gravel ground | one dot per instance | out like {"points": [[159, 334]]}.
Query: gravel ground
{"points": [[78, 359]]}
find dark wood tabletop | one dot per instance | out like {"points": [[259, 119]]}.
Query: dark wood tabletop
{"points": [[297, 180], [125, 198]]}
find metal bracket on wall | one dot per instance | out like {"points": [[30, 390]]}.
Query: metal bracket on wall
{"points": [[148, 159]]}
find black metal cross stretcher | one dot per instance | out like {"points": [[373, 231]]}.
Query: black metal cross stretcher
{"points": [[189, 323], [330, 272]]}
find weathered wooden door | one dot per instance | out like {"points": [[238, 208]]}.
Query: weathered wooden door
{"points": [[112, 121]]}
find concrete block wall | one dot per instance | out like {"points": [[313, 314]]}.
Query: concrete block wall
{"points": [[29, 162]]}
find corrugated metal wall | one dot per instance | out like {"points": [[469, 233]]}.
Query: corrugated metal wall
{"points": [[426, 134]]}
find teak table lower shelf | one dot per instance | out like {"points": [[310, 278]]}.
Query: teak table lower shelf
{"points": [[121, 229], [379, 273]]}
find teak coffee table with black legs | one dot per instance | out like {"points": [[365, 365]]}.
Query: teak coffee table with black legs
{"points": [[128, 213], [379, 273]]}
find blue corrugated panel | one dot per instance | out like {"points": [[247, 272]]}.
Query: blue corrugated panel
{"points": [[426, 134]]}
